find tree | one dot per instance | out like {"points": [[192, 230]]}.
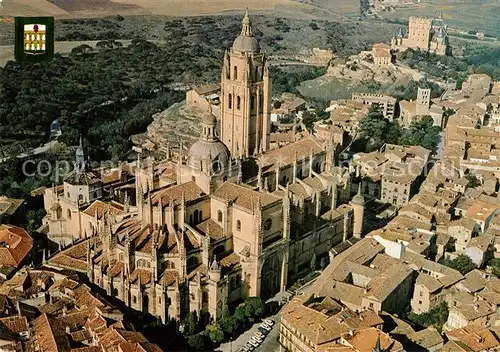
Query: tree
{"points": [[229, 325], [437, 316], [191, 323], [308, 120], [314, 26], [461, 263], [254, 308], [198, 342], [215, 333], [422, 132], [377, 130], [472, 181], [495, 266], [81, 50]]}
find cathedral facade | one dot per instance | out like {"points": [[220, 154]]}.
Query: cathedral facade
{"points": [[195, 232]]}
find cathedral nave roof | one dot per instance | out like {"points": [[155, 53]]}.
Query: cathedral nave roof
{"points": [[286, 154], [100, 208], [243, 197], [189, 190]]}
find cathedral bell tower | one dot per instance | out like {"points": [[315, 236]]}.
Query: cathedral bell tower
{"points": [[245, 96]]}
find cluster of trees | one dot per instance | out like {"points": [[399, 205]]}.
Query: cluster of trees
{"points": [[202, 337], [376, 131], [495, 266], [435, 317], [461, 263], [483, 60], [94, 29], [287, 79]]}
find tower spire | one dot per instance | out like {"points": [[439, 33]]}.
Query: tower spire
{"points": [[247, 25], [80, 156]]}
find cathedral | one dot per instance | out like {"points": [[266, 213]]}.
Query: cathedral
{"points": [[227, 219]]}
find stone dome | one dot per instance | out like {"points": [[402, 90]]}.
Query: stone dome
{"points": [[208, 155], [246, 44], [358, 199], [209, 119]]}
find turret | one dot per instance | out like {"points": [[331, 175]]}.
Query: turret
{"points": [[358, 205], [214, 273]]}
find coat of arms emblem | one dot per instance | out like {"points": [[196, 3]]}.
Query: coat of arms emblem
{"points": [[35, 39]]}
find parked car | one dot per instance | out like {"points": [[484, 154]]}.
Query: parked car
{"points": [[265, 327], [263, 330], [253, 343], [256, 338], [260, 335], [269, 322]]}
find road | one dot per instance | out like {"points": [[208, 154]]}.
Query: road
{"points": [[270, 343]]}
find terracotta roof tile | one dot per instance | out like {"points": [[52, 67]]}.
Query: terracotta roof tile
{"points": [[244, 197], [15, 244], [212, 228], [189, 190]]}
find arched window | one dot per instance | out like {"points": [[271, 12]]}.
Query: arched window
{"points": [[235, 72], [195, 215], [69, 214], [238, 225], [193, 178], [219, 215], [230, 101], [59, 212], [200, 216], [68, 195], [238, 102], [121, 257], [169, 265], [80, 198], [252, 103]]}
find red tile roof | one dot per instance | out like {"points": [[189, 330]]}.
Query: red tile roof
{"points": [[15, 244]]}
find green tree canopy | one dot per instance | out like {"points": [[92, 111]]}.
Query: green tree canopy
{"points": [[437, 316], [422, 132], [461, 263]]}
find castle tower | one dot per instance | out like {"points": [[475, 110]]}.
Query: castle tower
{"points": [[358, 205], [245, 95], [419, 32]]}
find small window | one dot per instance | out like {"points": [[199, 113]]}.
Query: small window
{"points": [[80, 198], [230, 101], [419, 302], [238, 102], [219, 215], [238, 225], [69, 214], [134, 299], [68, 195], [235, 72], [371, 305]]}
